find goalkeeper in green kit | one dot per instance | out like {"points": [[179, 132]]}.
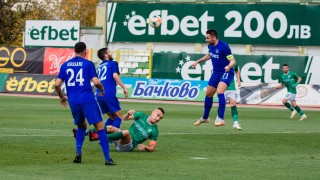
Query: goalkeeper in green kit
{"points": [[290, 80]]}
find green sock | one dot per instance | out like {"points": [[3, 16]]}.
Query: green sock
{"points": [[297, 108], [234, 113], [288, 105], [115, 136], [94, 130]]}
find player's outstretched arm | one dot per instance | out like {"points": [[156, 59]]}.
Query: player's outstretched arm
{"points": [[204, 58], [149, 148], [63, 99], [278, 86], [129, 115]]}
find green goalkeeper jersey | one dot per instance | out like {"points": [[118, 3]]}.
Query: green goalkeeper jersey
{"points": [[141, 130], [232, 85], [289, 80]]}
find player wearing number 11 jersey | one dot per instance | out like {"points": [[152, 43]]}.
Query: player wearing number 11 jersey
{"points": [[223, 73], [77, 74]]}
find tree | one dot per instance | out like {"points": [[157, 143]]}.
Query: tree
{"points": [[14, 14], [83, 10]]}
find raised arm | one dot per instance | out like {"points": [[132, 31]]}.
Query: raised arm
{"points": [[204, 58], [129, 115]]}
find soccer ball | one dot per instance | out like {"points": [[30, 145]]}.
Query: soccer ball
{"points": [[155, 21]]}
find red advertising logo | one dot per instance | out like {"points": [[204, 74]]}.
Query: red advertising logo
{"points": [[55, 57]]}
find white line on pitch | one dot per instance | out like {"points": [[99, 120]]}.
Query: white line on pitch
{"points": [[198, 158]]}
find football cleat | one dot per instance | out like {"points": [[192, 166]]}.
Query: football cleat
{"points": [[77, 159], [200, 121], [110, 162], [293, 113], [236, 126], [93, 136], [219, 122], [303, 117]]}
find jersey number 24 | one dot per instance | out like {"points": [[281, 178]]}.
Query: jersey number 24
{"points": [[73, 79]]}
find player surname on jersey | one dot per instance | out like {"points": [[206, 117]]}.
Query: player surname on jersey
{"points": [[74, 64]]}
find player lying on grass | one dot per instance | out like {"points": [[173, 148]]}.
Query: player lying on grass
{"points": [[144, 127]]}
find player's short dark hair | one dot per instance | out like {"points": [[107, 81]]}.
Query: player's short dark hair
{"points": [[101, 52], [285, 65], [80, 47], [161, 110], [212, 32]]}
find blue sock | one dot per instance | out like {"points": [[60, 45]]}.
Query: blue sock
{"points": [[116, 122], [104, 143], [108, 122], [81, 132], [222, 105], [207, 107]]}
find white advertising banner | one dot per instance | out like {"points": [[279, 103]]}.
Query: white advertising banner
{"points": [[51, 33]]}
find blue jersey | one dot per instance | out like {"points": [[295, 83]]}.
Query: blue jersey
{"points": [[105, 75], [77, 74], [220, 55]]}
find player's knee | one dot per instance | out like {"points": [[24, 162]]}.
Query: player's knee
{"points": [[125, 133], [233, 103], [284, 101]]}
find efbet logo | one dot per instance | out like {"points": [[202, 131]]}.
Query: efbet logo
{"points": [[29, 85], [51, 33], [188, 25]]}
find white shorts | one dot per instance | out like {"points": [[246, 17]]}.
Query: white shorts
{"points": [[290, 96], [230, 94], [125, 147]]}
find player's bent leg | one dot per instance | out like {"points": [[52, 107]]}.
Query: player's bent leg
{"points": [[288, 105], [126, 137]]}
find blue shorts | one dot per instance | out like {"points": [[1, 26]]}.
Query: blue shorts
{"points": [[89, 111], [108, 104], [226, 77]]}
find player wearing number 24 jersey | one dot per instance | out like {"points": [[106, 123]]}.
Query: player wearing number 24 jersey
{"points": [[222, 61], [77, 73]]}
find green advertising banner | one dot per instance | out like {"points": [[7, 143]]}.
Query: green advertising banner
{"points": [[253, 68], [3, 78], [268, 24]]}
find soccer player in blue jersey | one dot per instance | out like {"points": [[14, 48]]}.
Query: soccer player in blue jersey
{"points": [[223, 73], [77, 74], [108, 74]]}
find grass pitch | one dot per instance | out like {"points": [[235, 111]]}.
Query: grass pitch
{"points": [[36, 143]]}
